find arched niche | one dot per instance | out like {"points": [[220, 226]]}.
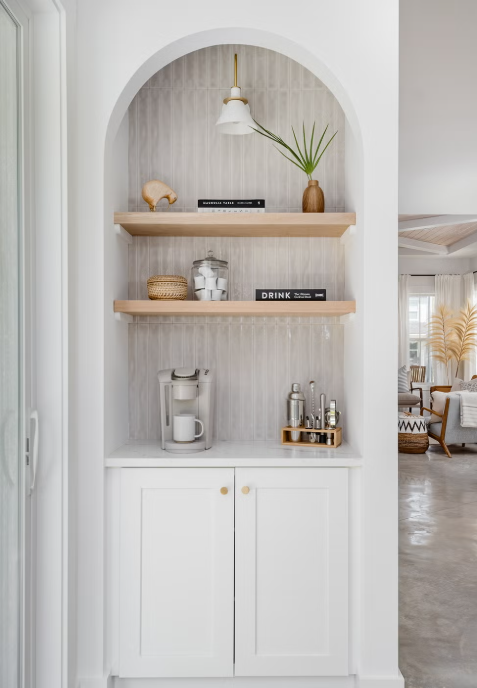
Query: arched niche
{"points": [[116, 263], [245, 36]]}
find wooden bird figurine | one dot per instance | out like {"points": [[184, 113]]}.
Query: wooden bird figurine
{"points": [[154, 191]]}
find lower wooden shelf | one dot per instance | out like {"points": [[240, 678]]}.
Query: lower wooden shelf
{"points": [[237, 308], [335, 433]]}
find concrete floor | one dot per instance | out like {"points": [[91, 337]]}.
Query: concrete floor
{"points": [[438, 568]]}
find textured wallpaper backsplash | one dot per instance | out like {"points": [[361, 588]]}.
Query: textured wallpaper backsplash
{"points": [[172, 134], [255, 360], [172, 137], [254, 366]]}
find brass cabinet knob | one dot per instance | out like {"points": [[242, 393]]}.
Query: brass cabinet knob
{"points": [[223, 490], [245, 489]]}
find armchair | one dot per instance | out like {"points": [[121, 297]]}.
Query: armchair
{"points": [[449, 430], [418, 374], [410, 399]]}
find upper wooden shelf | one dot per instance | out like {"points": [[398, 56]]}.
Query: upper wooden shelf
{"points": [[236, 224], [237, 308]]}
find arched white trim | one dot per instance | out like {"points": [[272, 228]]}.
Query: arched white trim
{"points": [[238, 35]]}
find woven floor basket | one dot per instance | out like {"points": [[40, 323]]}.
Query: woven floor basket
{"points": [[167, 288], [412, 437], [413, 444]]}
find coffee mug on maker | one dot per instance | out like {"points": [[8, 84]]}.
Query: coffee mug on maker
{"points": [[184, 428]]}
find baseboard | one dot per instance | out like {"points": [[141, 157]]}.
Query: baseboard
{"points": [[248, 682], [240, 682], [381, 681], [96, 682]]}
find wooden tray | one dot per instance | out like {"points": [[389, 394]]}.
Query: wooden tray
{"points": [[286, 438]]}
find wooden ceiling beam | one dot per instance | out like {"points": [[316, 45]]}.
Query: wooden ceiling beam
{"points": [[436, 221], [463, 243], [424, 246]]}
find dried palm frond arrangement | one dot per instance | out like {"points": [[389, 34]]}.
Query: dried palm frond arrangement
{"points": [[465, 334], [453, 337], [441, 335]]}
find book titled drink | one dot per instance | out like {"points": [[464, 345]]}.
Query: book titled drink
{"points": [[242, 206], [290, 295]]}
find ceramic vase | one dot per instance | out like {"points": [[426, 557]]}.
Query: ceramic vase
{"points": [[313, 198]]}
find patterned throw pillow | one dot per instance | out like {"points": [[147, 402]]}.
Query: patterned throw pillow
{"points": [[403, 380], [469, 386]]}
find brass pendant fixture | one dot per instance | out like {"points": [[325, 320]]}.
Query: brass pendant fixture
{"points": [[235, 117]]}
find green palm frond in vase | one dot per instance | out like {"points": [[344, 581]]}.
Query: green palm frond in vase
{"points": [[307, 159]]}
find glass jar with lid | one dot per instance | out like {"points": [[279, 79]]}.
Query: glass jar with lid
{"points": [[210, 279]]}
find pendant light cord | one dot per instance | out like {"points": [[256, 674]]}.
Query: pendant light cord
{"points": [[235, 70]]}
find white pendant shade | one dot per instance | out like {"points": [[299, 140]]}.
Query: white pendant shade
{"points": [[235, 117]]}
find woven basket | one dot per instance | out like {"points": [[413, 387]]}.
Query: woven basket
{"points": [[413, 444], [412, 437], [167, 288]]}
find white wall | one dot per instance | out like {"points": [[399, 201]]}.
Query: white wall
{"points": [[438, 105], [118, 44], [116, 282], [422, 285], [414, 265]]}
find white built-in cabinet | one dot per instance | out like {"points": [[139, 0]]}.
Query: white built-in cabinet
{"points": [[291, 572], [176, 572], [193, 539]]}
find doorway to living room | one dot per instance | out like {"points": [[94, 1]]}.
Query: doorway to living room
{"points": [[438, 445]]}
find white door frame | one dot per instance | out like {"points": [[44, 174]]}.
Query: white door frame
{"points": [[21, 21], [46, 217]]}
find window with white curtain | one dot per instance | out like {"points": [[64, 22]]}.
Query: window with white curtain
{"points": [[421, 307]]}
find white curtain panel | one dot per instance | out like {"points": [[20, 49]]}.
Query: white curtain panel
{"points": [[468, 287], [449, 291], [403, 314], [468, 295]]}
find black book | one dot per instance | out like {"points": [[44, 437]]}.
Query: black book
{"points": [[290, 295], [256, 205]]}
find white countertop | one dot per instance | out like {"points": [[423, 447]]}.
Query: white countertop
{"points": [[148, 454]]}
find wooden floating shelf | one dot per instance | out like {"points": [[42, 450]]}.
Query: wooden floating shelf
{"points": [[237, 308], [236, 224]]}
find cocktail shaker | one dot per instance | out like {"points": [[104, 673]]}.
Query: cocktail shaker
{"points": [[322, 417], [295, 410]]}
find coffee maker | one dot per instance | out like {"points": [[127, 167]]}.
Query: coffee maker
{"points": [[186, 391]]}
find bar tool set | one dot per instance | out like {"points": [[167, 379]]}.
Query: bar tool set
{"points": [[313, 429]]}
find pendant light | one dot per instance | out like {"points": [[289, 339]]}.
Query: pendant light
{"points": [[235, 117]]}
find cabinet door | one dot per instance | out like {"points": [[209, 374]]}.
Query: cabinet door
{"points": [[291, 572], [177, 575]]}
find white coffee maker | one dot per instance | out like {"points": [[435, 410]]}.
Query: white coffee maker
{"points": [[186, 391]]}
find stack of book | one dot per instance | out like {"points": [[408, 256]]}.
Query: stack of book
{"points": [[242, 206]]}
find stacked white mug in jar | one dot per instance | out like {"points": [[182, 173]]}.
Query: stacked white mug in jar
{"points": [[210, 277]]}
